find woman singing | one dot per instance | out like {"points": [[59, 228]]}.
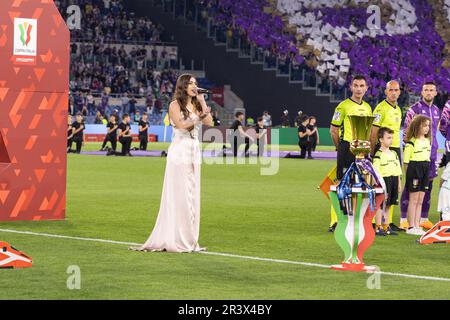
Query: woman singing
{"points": [[178, 223]]}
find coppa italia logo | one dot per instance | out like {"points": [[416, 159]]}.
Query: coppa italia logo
{"points": [[25, 38], [25, 33]]}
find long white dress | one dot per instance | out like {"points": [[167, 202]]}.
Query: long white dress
{"points": [[177, 227]]}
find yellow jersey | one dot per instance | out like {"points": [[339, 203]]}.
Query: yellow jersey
{"points": [[389, 116], [341, 119], [387, 164], [417, 150]]}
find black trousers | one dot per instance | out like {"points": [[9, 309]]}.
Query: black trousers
{"points": [[79, 143], [345, 158], [236, 145], [126, 144], [143, 141], [69, 144], [105, 141], [261, 146], [313, 142], [305, 148], [113, 141]]}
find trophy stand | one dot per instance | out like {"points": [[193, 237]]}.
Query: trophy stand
{"points": [[356, 199]]}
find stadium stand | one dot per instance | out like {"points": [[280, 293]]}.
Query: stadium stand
{"points": [[117, 57], [332, 39]]}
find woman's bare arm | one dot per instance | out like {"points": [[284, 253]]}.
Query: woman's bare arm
{"points": [[176, 117], [206, 117]]}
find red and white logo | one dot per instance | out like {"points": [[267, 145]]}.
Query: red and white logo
{"points": [[25, 41]]}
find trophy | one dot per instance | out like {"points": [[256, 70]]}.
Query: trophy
{"points": [[361, 130], [356, 199]]}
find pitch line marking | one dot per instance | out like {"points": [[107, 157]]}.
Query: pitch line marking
{"points": [[307, 264]]}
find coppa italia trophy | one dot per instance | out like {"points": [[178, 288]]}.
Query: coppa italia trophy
{"points": [[356, 199]]}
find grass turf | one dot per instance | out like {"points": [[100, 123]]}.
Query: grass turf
{"points": [[282, 216]]}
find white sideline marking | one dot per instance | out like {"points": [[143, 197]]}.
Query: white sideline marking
{"points": [[307, 264]]}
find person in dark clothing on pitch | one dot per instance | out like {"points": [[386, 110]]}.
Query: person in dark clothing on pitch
{"points": [[125, 135], [314, 138], [143, 131], [261, 133], [304, 135], [111, 134], [69, 133], [238, 134], [77, 131]]}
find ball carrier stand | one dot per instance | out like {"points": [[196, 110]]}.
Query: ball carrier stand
{"points": [[356, 199]]}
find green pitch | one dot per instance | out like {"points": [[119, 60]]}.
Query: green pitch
{"points": [[282, 217]]}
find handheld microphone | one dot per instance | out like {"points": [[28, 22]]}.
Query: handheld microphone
{"points": [[203, 91]]}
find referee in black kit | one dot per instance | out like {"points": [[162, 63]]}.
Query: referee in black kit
{"points": [[125, 135]]}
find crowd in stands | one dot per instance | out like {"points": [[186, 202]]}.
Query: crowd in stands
{"points": [[107, 21], [116, 54], [332, 37], [95, 110], [96, 66]]}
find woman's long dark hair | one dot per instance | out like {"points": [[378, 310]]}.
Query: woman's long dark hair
{"points": [[181, 95]]}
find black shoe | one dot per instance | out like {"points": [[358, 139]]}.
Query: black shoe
{"points": [[380, 232], [390, 232], [394, 228], [310, 158], [332, 228]]}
